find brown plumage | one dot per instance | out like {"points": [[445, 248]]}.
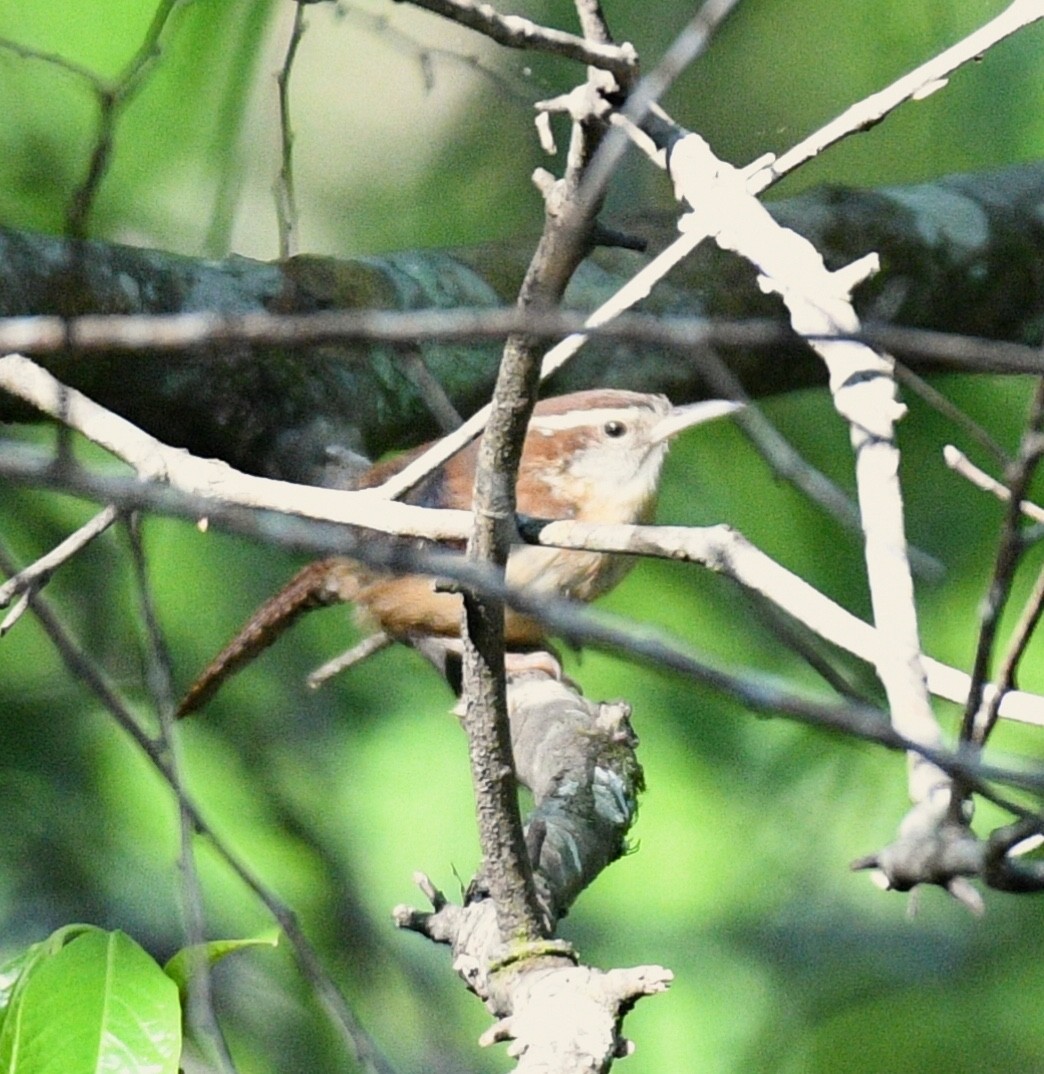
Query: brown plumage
{"points": [[593, 456]]}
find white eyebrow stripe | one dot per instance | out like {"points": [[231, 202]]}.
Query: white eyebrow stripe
{"points": [[575, 419]]}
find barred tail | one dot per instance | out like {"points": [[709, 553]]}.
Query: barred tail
{"points": [[321, 583]]}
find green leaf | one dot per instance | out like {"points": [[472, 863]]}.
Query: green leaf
{"points": [[183, 964], [15, 972], [11, 972], [96, 1003]]}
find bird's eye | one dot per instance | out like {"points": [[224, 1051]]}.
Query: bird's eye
{"points": [[615, 429]]}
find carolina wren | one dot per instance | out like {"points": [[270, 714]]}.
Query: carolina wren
{"points": [[593, 456]]}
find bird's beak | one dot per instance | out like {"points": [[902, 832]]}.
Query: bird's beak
{"points": [[684, 417]]}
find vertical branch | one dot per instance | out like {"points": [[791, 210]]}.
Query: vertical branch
{"points": [[286, 199], [890, 578], [112, 98], [1009, 552], [863, 389], [159, 679], [351, 1033], [562, 246], [1005, 679]]}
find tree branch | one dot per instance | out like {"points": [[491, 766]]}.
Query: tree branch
{"points": [[513, 31], [275, 403], [562, 246], [717, 547], [577, 758], [923, 81]]}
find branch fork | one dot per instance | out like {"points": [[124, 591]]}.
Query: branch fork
{"points": [[933, 847], [577, 758]]}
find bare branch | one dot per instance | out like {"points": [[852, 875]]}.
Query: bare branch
{"points": [[518, 87], [366, 648], [864, 394], [210, 480], [43, 335], [563, 244], [432, 392], [513, 31], [34, 577], [200, 1013], [1005, 677], [1010, 548], [779, 453], [941, 405], [918, 84], [961, 464], [723, 550], [112, 99], [354, 1038], [286, 199]]}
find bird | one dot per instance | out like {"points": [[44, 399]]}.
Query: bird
{"points": [[591, 456]]}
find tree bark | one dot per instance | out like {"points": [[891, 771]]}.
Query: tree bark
{"points": [[963, 254]]}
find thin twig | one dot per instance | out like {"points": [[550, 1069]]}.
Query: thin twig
{"points": [[512, 31], [786, 462], [961, 464], [518, 87], [286, 200], [431, 391], [112, 98], [762, 694], [97, 84], [941, 405], [200, 1013], [918, 84], [373, 643], [1010, 548], [791, 467], [1008, 669], [790, 633], [37, 574], [593, 24], [82, 668]]}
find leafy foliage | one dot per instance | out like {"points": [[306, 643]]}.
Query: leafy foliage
{"points": [[85, 1000]]}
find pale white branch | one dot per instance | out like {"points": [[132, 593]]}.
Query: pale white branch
{"points": [[726, 551], [33, 577], [363, 650], [863, 389], [961, 464], [918, 84], [211, 479]]}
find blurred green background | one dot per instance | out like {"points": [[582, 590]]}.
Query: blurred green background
{"points": [[411, 134]]}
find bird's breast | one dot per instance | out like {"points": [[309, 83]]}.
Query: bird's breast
{"points": [[570, 573]]}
